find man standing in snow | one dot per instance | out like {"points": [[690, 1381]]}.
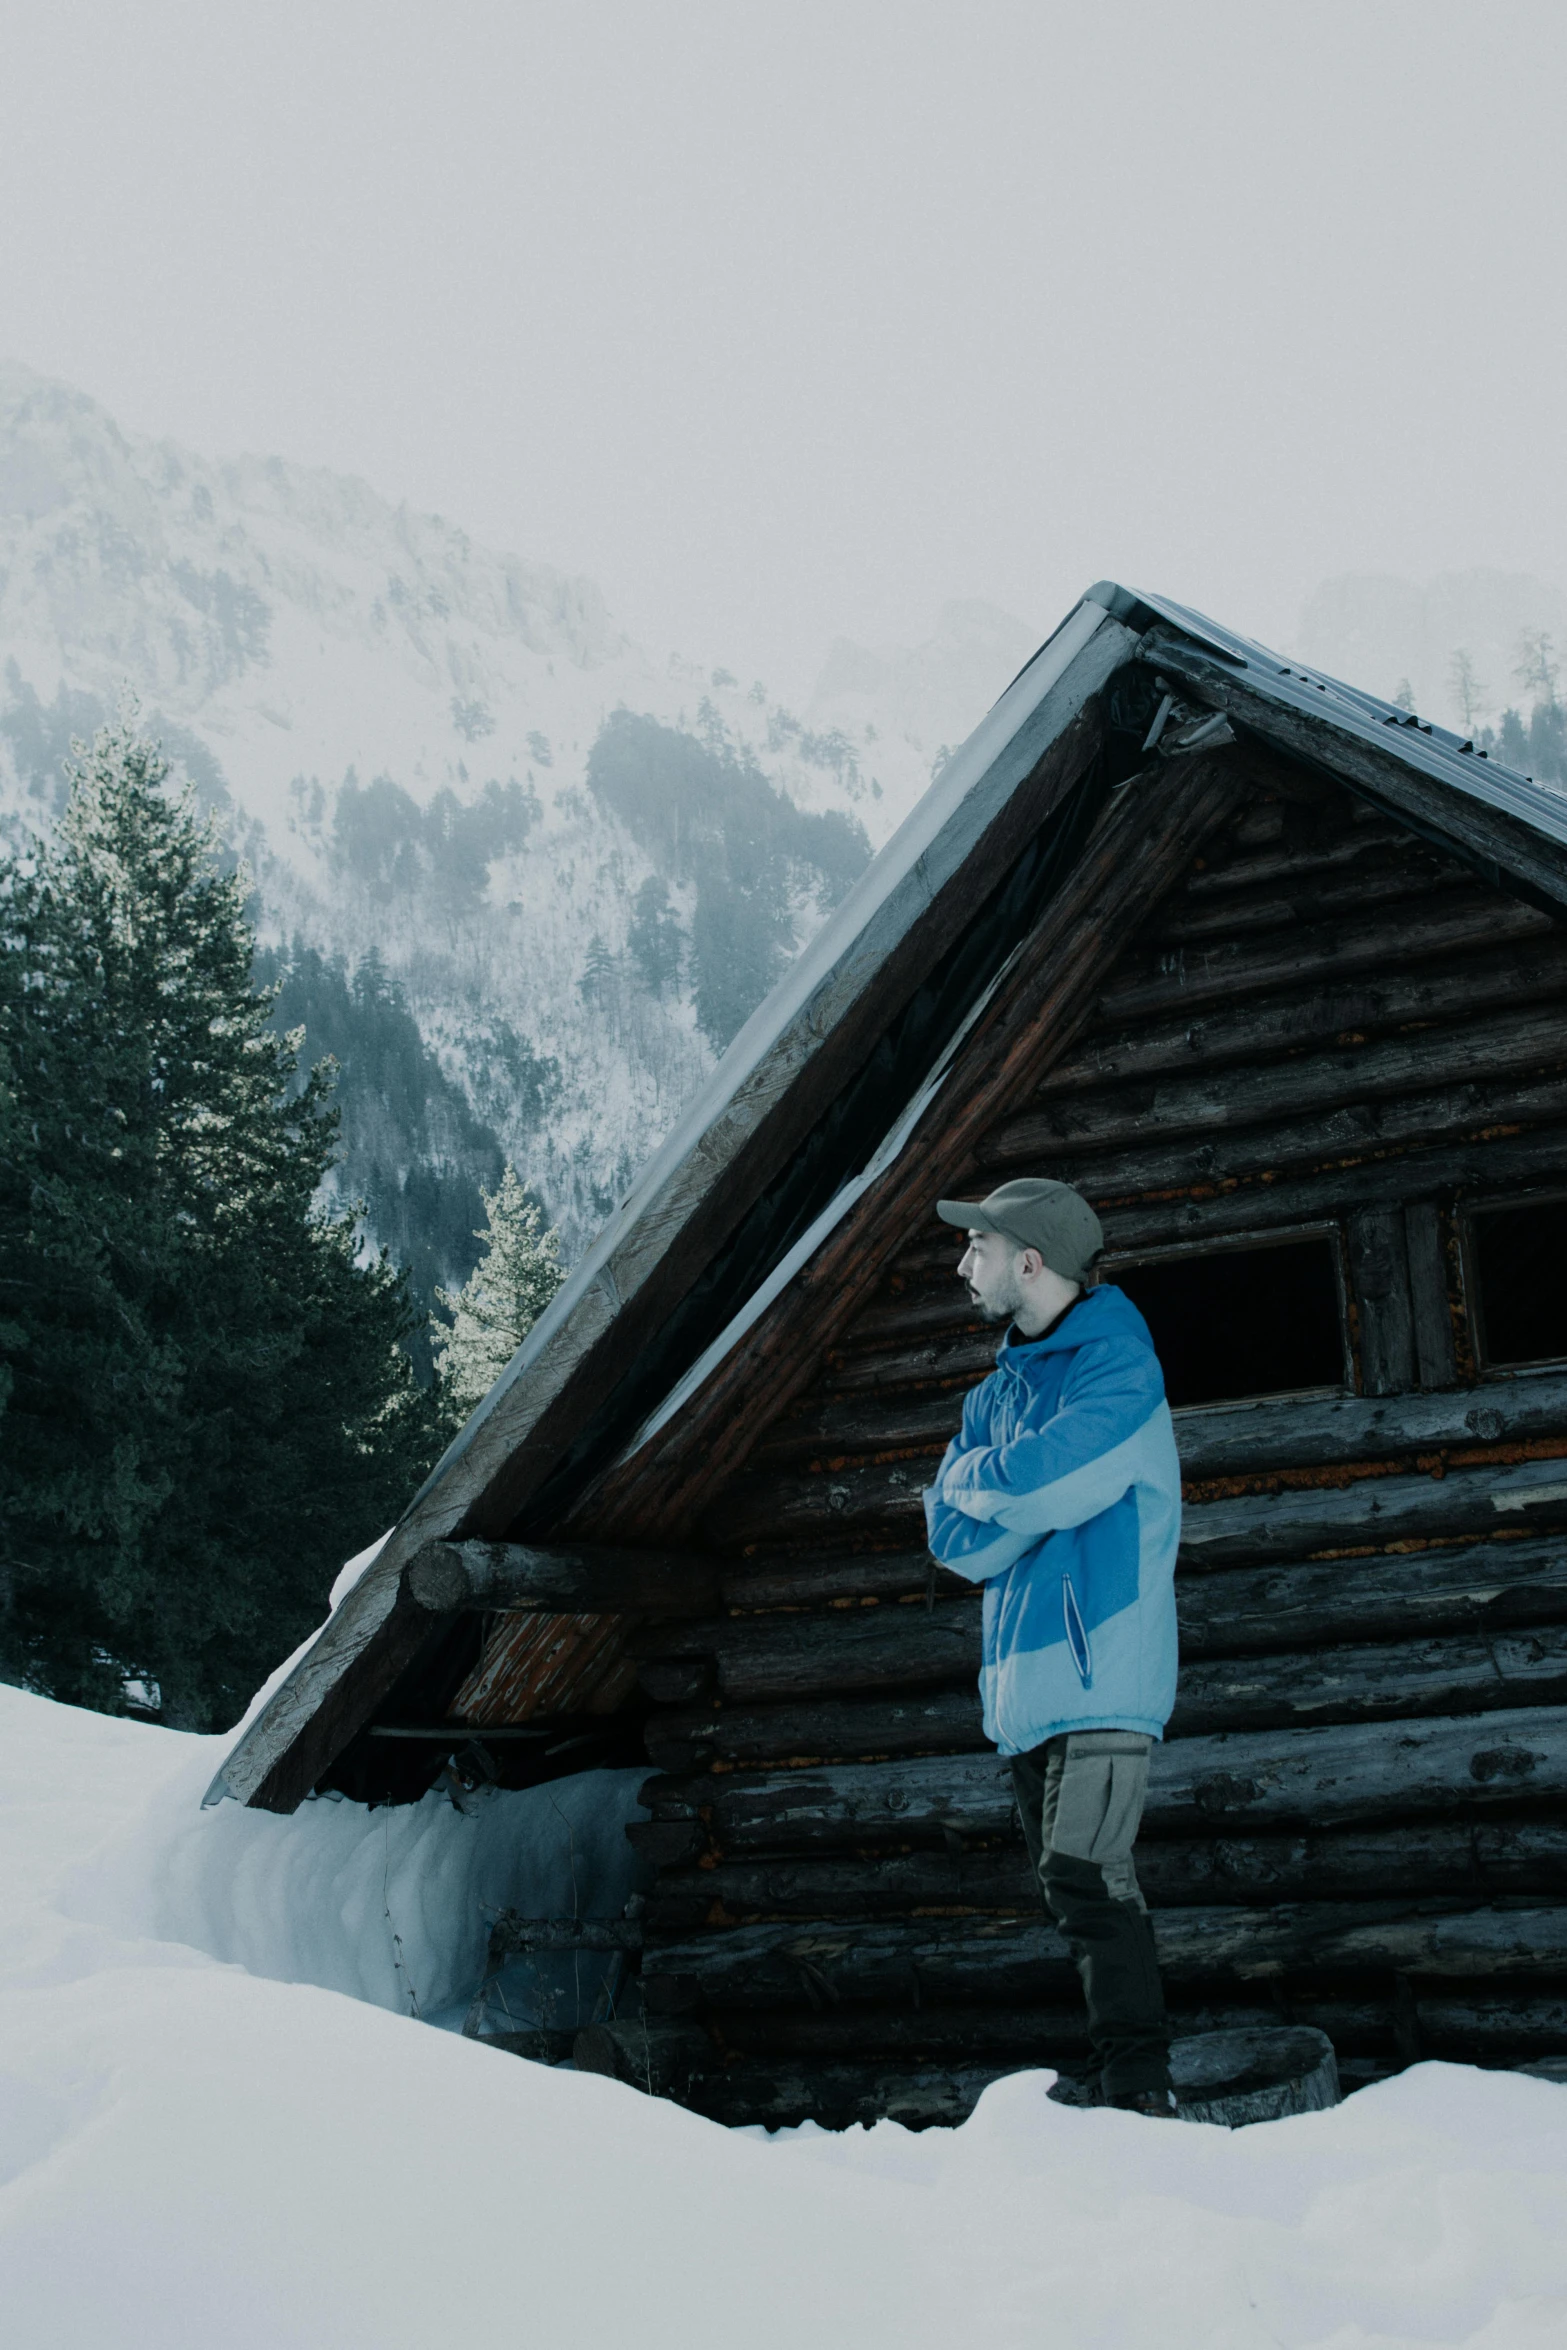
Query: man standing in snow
{"points": [[1061, 1494]]}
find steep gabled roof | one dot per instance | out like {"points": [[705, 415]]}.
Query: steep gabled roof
{"points": [[833, 1080]]}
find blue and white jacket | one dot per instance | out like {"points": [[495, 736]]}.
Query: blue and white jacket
{"points": [[1061, 1493]]}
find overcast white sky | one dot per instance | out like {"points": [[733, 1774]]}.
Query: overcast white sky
{"points": [[796, 319]]}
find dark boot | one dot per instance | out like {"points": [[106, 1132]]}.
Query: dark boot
{"points": [[1113, 1948]]}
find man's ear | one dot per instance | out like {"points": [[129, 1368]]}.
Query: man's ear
{"points": [[1031, 1265]]}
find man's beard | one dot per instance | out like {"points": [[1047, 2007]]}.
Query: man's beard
{"points": [[1006, 1308]]}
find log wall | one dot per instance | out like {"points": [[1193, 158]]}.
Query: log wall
{"points": [[1357, 1820]]}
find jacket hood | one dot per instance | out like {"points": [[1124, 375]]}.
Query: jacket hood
{"points": [[1105, 1312]]}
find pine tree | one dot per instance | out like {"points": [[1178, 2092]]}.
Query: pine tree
{"points": [[209, 1404], [655, 941], [502, 1297]]}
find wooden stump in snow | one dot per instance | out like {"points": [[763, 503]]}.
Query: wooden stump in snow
{"points": [[1258, 2076]]}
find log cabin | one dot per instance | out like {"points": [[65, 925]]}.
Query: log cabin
{"points": [[1275, 973]]}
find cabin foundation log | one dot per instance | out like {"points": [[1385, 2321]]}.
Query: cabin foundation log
{"points": [[1010, 1961]]}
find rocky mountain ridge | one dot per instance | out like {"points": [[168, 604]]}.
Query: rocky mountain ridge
{"points": [[522, 877]]}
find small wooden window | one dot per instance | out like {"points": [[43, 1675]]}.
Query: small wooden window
{"points": [[1235, 1322], [1517, 1262]]}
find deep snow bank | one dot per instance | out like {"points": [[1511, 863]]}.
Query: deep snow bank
{"points": [[191, 2154]]}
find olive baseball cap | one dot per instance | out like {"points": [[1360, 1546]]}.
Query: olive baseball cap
{"points": [[1036, 1213]]}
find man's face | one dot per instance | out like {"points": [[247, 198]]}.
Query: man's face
{"points": [[991, 1265]]}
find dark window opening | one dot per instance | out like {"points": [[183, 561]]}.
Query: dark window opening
{"points": [[1519, 1259], [1242, 1321]]}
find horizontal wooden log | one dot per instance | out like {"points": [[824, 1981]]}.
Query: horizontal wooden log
{"points": [[900, 1645], [1381, 879], [1215, 1440], [511, 1577], [512, 1933], [1209, 1102], [1458, 988], [1230, 865], [1472, 1672], [1229, 1211], [1400, 1122], [1255, 1781], [1479, 1858], [943, 1721], [964, 1354], [1449, 922], [958, 1961], [1263, 1611], [1293, 1523], [1480, 1672], [1374, 1511], [792, 1579]]}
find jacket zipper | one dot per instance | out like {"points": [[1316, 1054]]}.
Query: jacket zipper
{"points": [[1076, 1633]]}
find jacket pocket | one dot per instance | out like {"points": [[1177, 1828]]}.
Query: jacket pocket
{"points": [[1076, 1633]]}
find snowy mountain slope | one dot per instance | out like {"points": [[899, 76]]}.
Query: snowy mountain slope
{"points": [[399, 723]]}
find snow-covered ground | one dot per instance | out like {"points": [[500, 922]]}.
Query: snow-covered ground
{"points": [[221, 2126]]}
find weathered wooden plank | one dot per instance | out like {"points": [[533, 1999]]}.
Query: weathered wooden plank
{"points": [[905, 1963], [1258, 1781], [1228, 1208], [1215, 1440], [920, 1721], [1348, 1130], [1265, 1610], [1384, 1313], [1293, 1019], [1480, 1671], [1436, 1356], [1156, 982], [806, 1578], [1212, 1101], [1477, 1857], [1143, 841], [1404, 869], [898, 1645], [1373, 1511], [1337, 842], [510, 1576]]}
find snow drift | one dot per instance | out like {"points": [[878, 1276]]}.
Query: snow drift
{"points": [[203, 2139]]}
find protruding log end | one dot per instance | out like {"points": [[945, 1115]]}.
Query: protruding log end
{"points": [[438, 1578]]}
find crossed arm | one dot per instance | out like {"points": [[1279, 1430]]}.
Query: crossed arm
{"points": [[992, 1502]]}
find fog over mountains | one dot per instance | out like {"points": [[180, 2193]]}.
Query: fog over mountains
{"points": [[522, 877]]}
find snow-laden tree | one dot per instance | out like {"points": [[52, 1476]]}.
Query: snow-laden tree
{"points": [[514, 1280], [209, 1407]]}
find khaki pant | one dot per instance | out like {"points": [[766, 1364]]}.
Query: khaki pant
{"points": [[1080, 1798]]}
